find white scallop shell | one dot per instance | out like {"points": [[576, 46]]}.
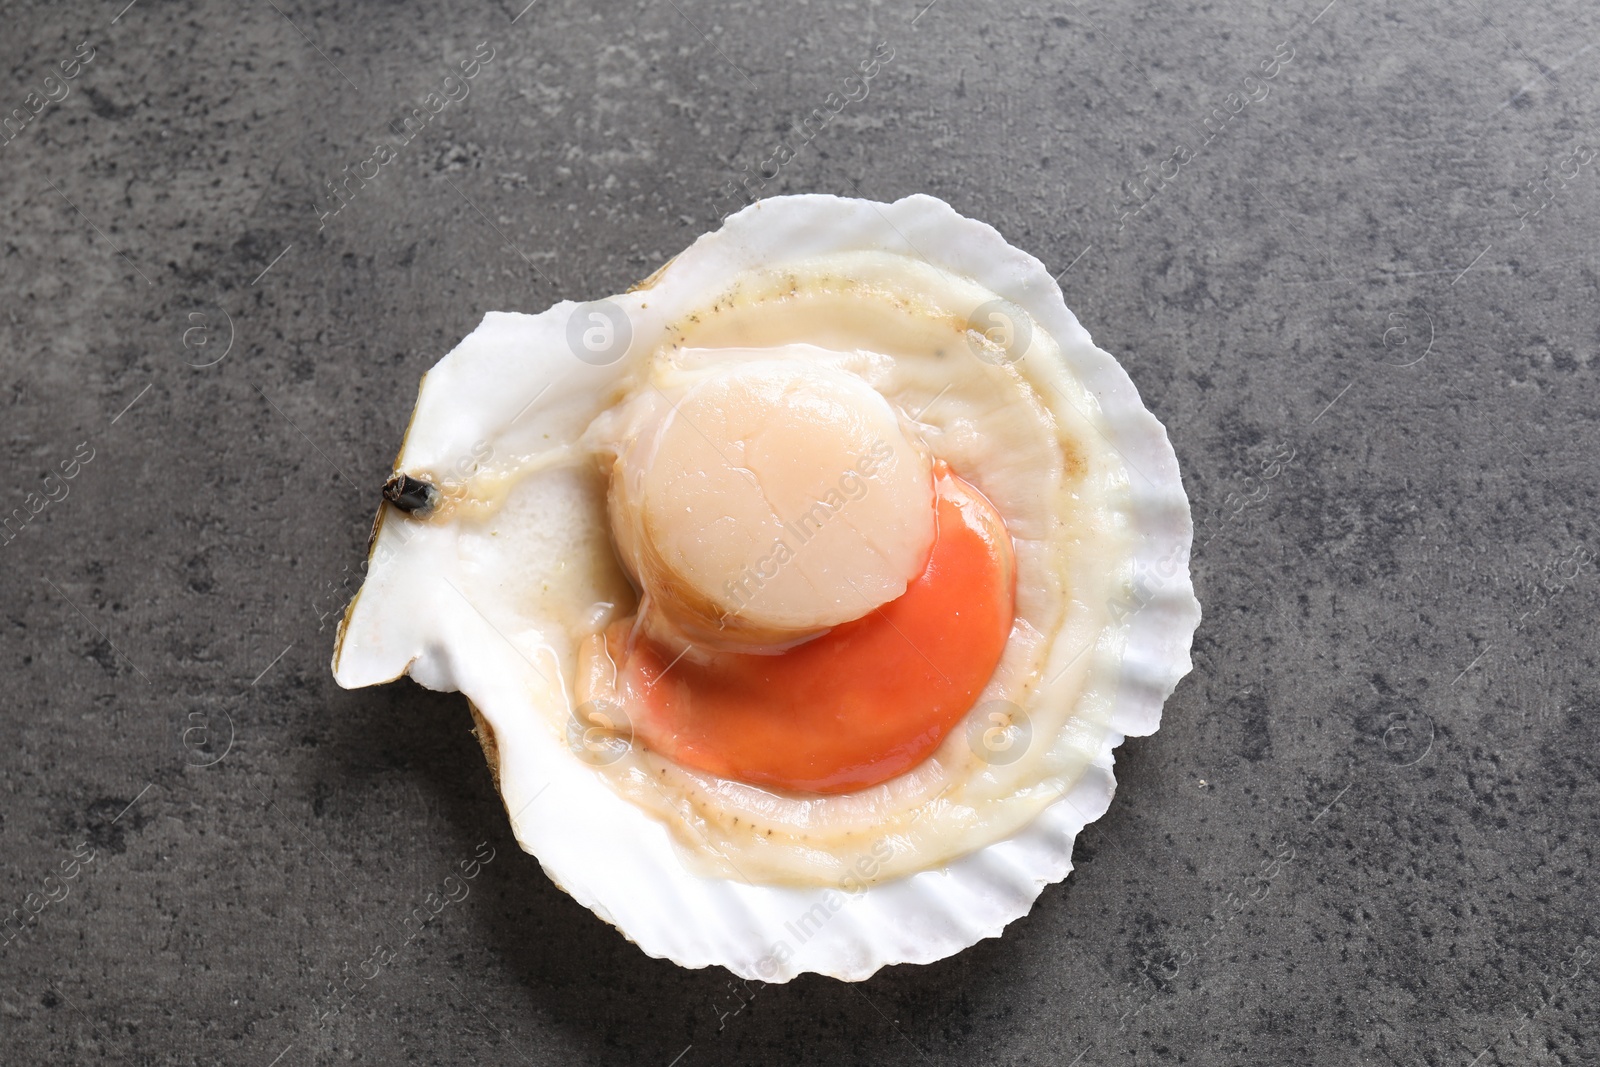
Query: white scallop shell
{"points": [[610, 855]]}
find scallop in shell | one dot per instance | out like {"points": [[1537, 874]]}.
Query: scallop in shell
{"points": [[801, 594]]}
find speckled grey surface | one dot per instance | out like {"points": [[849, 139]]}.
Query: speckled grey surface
{"points": [[1363, 300]]}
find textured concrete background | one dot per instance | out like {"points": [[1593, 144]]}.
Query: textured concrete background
{"points": [[1363, 299]]}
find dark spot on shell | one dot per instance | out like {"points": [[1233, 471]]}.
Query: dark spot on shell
{"points": [[411, 494]]}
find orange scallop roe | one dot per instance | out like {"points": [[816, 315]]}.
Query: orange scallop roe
{"points": [[867, 700]]}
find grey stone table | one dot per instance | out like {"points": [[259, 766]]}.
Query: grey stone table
{"points": [[1346, 250]]}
